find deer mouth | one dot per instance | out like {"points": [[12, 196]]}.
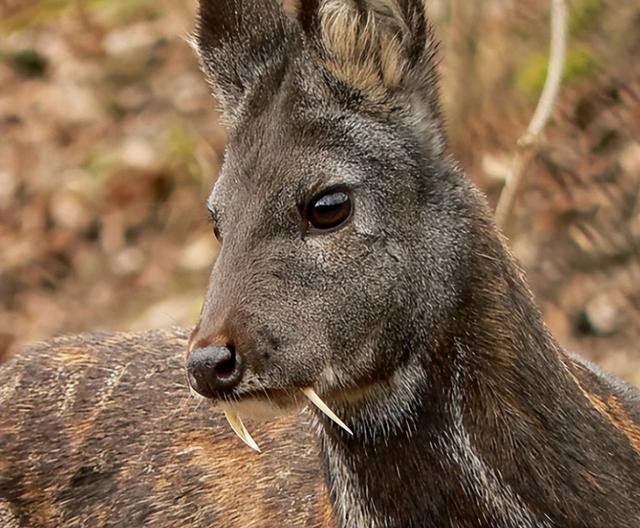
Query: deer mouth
{"points": [[269, 402]]}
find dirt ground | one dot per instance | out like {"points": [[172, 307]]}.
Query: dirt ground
{"points": [[109, 145]]}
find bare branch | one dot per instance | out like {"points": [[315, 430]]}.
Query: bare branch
{"points": [[530, 140]]}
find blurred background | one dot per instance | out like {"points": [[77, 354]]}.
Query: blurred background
{"points": [[110, 143]]}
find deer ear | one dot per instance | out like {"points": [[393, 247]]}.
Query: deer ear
{"points": [[384, 49], [242, 45]]}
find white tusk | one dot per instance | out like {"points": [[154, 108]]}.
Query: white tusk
{"points": [[315, 399], [238, 427]]}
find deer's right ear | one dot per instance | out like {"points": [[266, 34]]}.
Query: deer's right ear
{"points": [[242, 45]]}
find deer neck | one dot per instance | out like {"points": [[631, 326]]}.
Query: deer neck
{"points": [[427, 446]]}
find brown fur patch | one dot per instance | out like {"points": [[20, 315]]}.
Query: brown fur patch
{"points": [[612, 409], [74, 356], [130, 448], [615, 413], [85, 425], [325, 513], [212, 340]]}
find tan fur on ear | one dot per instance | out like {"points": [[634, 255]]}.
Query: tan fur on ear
{"points": [[366, 44]]}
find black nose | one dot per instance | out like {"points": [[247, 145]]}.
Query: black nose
{"points": [[213, 370]]}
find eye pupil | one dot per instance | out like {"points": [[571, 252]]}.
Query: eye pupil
{"points": [[329, 210]]}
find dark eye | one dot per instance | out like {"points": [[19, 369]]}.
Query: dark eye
{"points": [[329, 210]]}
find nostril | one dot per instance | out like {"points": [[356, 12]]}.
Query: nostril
{"points": [[214, 369], [227, 367]]}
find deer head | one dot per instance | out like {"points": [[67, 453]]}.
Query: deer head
{"points": [[346, 230]]}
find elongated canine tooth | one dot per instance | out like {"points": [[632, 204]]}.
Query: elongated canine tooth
{"points": [[238, 427], [315, 399]]}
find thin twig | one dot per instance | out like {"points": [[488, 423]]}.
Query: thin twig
{"points": [[530, 140]]}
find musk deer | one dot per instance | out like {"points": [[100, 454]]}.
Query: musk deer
{"points": [[360, 269]]}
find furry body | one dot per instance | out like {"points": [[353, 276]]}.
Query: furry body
{"points": [[99, 430], [110, 436]]}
